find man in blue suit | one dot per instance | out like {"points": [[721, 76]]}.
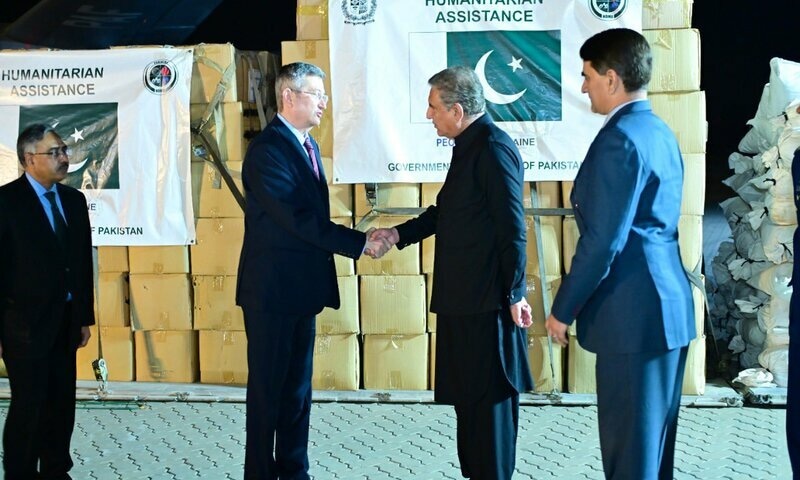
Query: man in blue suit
{"points": [[627, 286], [287, 274]]}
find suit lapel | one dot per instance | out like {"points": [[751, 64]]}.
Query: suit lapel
{"points": [[307, 178], [30, 202]]}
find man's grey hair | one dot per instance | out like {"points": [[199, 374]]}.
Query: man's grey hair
{"points": [[460, 85], [29, 137], [292, 76]]}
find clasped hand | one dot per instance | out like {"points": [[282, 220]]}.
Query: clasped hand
{"points": [[380, 241]]}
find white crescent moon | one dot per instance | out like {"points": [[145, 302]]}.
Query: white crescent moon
{"points": [[490, 93], [74, 167]]}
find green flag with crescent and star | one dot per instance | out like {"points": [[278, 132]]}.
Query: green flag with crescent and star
{"points": [[90, 131], [520, 71]]}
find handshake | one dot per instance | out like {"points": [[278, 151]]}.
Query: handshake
{"points": [[380, 241]]}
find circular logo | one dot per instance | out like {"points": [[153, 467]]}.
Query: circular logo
{"points": [[607, 9], [160, 76]]}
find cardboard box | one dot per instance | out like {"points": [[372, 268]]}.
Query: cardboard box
{"points": [[223, 357], [396, 362], [544, 380], [219, 244], [316, 52], [690, 241], [566, 194], [161, 302], [429, 292], [112, 259], [166, 356], [428, 194], [118, 352], [336, 362], [550, 245], [549, 196], [213, 63], [345, 266], [428, 252], [215, 199], [227, 126], [215, 303], [433, 360], [667, 14], [580, 369], [694, 376], [569, 242], [535, 297], [86, 355], [113, 299], [345, 319], [339, 195], [393, 304], [312, 19], [676, 60], [395, 262], [693, 200], [256, 72], [685, 113], [429, 191], [167, 259], [699, 309], [387, 195]]}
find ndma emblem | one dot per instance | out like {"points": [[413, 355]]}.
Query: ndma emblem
{"points": [[607, 9], [359, 12]]}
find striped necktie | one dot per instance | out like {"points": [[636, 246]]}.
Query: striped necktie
{"points": [[311, 156]]}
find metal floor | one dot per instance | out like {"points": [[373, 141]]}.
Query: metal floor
{"points": [[179, 431]]}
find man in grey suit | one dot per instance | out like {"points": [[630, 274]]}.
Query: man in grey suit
{"points": [[479, 282], [627, 286]]}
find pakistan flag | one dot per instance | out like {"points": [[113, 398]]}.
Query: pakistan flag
{"points": [[520, 71], [90, 131]]}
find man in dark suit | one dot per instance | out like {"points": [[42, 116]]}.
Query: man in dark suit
{"points": [[479, 282], [46, 305], [287, 273], [627, 286]]}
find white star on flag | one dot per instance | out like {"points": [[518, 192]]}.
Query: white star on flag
{"points": [[77, 135], [515, 63]]}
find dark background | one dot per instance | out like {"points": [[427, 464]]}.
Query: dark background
{"points": [[738, 40]]}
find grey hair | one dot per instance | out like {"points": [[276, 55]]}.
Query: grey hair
{"points": [[460, 85], [292, 76], [29, 137]]}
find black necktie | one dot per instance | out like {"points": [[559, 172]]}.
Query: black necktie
{"points": [[59, 225]]}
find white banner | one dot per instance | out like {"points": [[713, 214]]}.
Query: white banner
{"points": [[525, 52], [124, 113]]}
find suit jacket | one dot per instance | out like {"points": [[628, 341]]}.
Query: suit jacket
{"points": [[479, 264], [286, 265], [37, 272], [627, 286]]}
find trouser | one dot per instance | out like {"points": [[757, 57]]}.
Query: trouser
{"points": [[638, 401], [279, 356], [41, 415], [793, 387]]}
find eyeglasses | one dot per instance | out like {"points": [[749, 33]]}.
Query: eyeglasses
{"points": [[55, 152], [321, 97]]}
